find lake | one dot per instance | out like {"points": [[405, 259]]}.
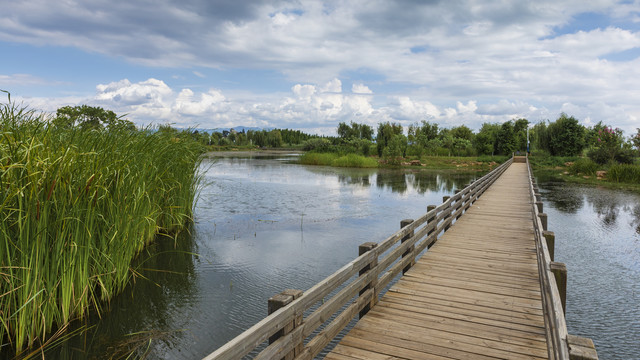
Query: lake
{"points": [[263, 224]]}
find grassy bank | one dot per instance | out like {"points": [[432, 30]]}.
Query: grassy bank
{"points": [[430, 162], [582, 170], [334, 159], [77, 206]]}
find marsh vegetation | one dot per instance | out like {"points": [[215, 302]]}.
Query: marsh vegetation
{"points": [[80, 199]]}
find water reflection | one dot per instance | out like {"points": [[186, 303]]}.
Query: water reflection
{"points": [[565, 199], [636, 221], [261, 225], [396, 181], [598, 237]]}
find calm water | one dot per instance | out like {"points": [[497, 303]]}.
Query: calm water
{"points": [[598, 237], [265, 224], [261, 225]]}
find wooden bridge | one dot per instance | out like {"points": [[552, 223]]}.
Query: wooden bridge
{"points": [[486, 288]]}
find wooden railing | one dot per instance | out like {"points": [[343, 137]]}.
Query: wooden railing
{"points": [[307, 322], [551, 275]]}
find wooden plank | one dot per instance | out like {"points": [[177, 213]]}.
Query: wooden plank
{"points": [[469, 344], [474, 294]]}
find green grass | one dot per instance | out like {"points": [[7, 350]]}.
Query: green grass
{"points": [[77, 207], [353, 160], [337, 160]]}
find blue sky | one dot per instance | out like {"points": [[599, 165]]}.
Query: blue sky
{"points": [[312, 64]]}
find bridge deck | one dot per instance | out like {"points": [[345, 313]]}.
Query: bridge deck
{"points": [[474, 294]]}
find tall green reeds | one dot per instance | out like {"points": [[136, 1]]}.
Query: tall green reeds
{"points": [[624, 173], [77, 206]]}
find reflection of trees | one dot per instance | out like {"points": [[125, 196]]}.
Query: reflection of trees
{"points": [[422, 181], [165, 277], [607, 207], [392, 179], [353, 179], [564, 198], [636, 217], [439, 182]]}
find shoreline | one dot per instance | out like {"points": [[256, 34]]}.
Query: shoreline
{"points": [[252, 153]]}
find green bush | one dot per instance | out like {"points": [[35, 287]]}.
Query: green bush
{"points": [[583, 166], [317, 145]]}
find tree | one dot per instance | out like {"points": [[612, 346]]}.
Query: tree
{"points": [[540, 137], [566, 136], [386, 131], [609, 146], [635, 139], [462, 132], [90, 118], [520, 132], [355, 131], [485, 140], [506, 140]]}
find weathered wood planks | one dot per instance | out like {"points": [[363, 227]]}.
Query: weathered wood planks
{"points": [[474, 294]]}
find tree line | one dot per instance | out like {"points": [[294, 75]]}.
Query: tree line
{"points": [[563, 137]]}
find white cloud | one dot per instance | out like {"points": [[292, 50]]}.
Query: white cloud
{"points": [[360, 89], [445, 61], [333, 86]]}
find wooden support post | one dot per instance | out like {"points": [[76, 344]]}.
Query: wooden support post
{"points": [[581, 348], [543, 219], [460, 200], [411, 250], [279, 301], [362, 249], [559, 271], [551, 242], [444, 199], [539, 205], [429, 221]]}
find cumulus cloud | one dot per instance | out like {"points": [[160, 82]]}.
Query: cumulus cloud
{"points": [[360, 89], [449, 61]]}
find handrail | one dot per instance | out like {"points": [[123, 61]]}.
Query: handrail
{"points": [[353, 295], [556, 326]]}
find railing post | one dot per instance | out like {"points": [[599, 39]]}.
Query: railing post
{"points": [[543, 220], [581, 348], [539, 202], [550, 236], [444, 199], [459, 207], [279, 301], [363, 249], [429, 222], [559, 271], [411, 250]]}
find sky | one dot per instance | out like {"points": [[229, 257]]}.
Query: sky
{"points": [[310, 65]]}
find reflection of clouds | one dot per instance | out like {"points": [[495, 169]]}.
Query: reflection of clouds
{"points": [[600, 244]]}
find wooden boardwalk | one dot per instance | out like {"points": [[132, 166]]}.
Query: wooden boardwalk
{"points": [[474, 295]]}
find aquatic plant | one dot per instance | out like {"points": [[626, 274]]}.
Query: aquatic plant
{"points": [[77, 206]]}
